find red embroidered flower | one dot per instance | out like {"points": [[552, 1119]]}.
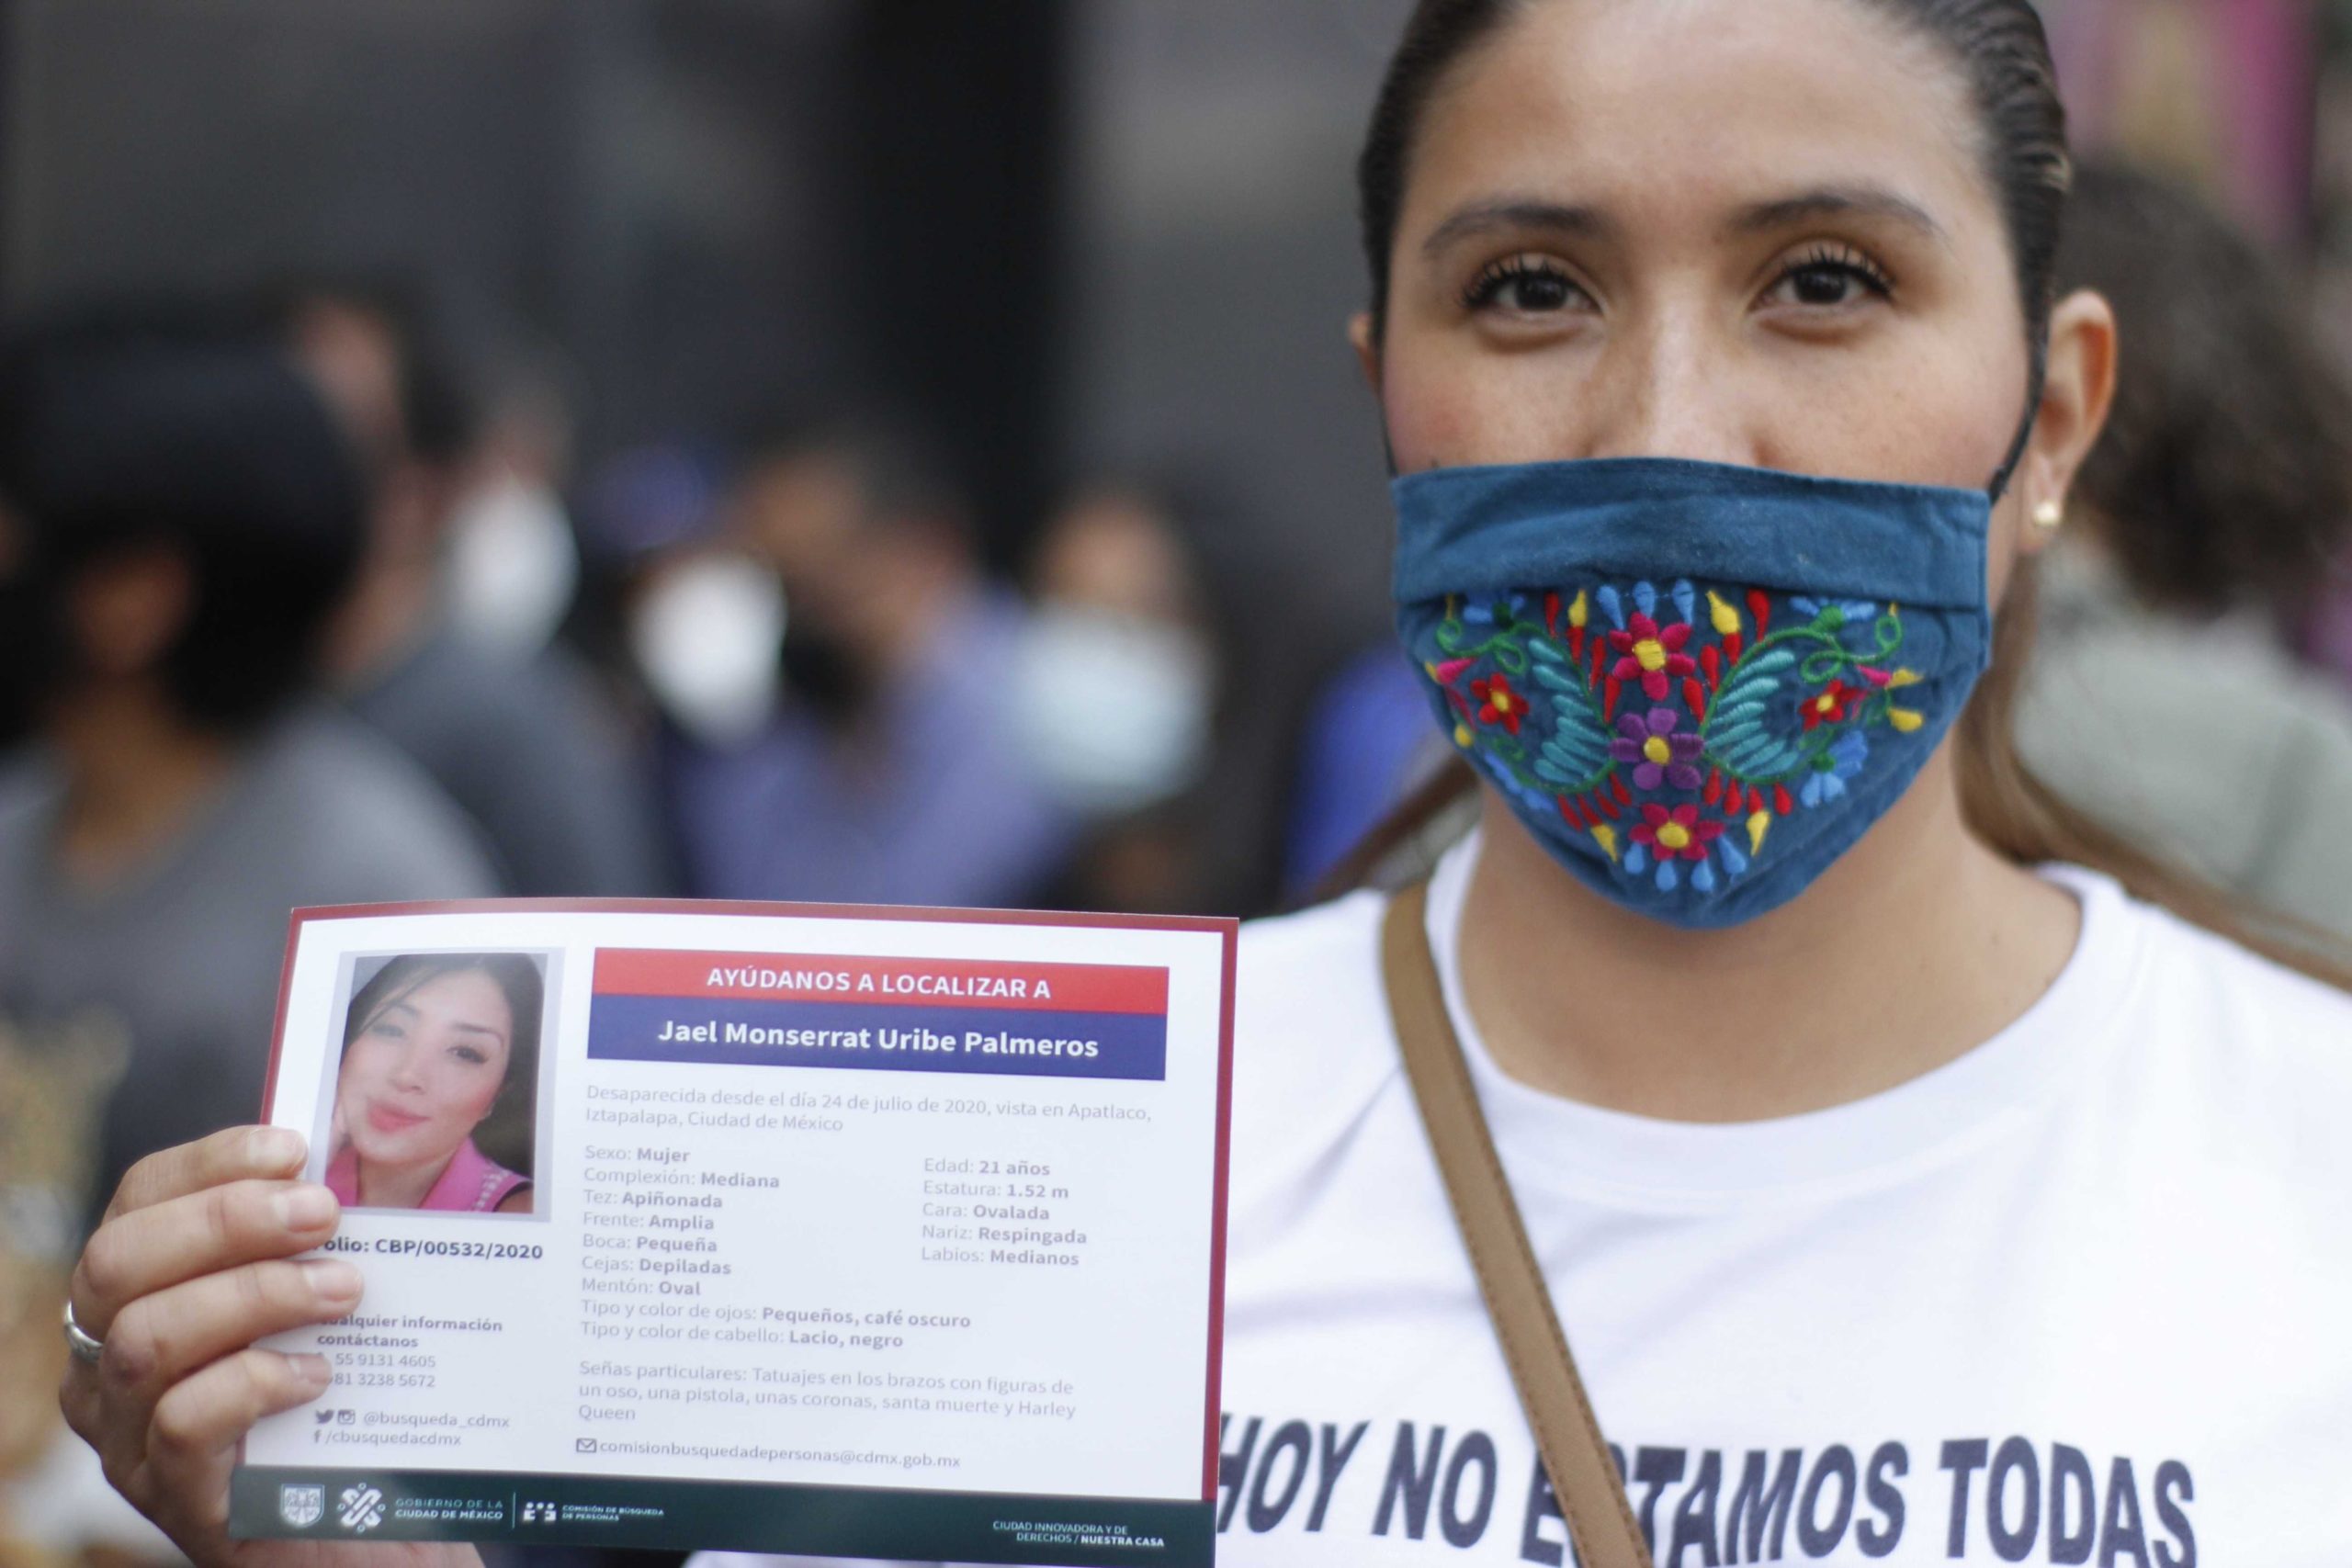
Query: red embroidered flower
{"points": [[1651, 654], [1498, 704], [1676, 832], [1831, 704]]}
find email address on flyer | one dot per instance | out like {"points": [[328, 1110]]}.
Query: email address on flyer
{"points": [[761, 1453]]}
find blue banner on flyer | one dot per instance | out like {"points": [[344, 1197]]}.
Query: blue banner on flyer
{"points": [[922, 1039]]}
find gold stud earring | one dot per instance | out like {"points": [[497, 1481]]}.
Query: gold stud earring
{"points": [[2047, 515]]}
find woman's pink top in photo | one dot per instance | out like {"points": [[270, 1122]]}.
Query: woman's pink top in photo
{"points": [[472, 1182]]}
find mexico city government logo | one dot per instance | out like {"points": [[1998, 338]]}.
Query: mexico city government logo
{"points": [[302, 1506], [361, 1508]]}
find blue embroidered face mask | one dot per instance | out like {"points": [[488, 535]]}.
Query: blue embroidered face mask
{"points": [[1697, 685]]}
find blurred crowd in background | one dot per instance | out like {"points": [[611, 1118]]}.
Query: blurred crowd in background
{"points": [[853, 450]]}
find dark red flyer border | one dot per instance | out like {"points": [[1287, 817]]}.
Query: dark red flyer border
{"points": [[1224, 927]]}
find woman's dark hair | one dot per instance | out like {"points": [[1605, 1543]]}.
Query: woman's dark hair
{"points": [[1998, 42], [2000, 48], [131, 428], [516, 976], [2224, 474]]}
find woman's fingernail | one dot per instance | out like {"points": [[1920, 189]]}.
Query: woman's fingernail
{"points": [[304, 1208], [333, 1280], [277, 1147], [314, 1370]]}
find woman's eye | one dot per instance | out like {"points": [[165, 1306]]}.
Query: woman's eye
{"points": [[1826, 280], [388, 1030], [1524, 284], [472, 1054]]}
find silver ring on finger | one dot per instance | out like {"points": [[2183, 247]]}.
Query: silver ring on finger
{"points": [[78, 1339]]}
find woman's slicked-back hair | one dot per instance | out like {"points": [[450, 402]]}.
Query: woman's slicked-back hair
{"points": [[1998, 48], [1998, 44]]}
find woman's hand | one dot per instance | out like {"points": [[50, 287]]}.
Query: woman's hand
{"points": [[193, 1264]]}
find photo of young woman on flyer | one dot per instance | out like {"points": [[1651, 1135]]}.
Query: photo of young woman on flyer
{"points": [[433, 1043]]}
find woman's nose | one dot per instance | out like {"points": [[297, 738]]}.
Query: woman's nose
{"points": [[408, 1067], [1667, 390]]}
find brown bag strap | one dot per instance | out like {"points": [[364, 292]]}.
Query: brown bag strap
{"points": [[1591, 1494]]}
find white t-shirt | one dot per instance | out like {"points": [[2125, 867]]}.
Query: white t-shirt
{"points": [[2082, 1296]]}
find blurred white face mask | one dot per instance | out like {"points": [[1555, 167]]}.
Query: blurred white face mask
{"points": [[512, 567], [708, 637], [1112, 712]]}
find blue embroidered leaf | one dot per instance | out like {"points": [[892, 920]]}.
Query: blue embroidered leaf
{"points": [[1551, 669], [1739, 730], [1762, 757], [1575, 756]]}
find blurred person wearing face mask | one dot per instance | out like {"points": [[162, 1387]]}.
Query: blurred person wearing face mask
{"points": [[511, 566], [701, 620], [1117, 675], [179, 516], [706, 631], [1115, 696], [888, 771], [465, 680]]}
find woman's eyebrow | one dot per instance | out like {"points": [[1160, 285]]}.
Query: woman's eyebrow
{"points": [[1574, 220], [1834, 201], [1549, 217]]}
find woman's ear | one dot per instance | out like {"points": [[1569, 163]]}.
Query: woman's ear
{"points": [[2077, 387], [1361, 338]]}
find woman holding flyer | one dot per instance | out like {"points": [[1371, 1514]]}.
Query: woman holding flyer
{"points": [[433, 1043], [1913, 1176]]}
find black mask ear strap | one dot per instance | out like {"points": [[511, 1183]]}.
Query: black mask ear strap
{"points": [[2035, 376]]}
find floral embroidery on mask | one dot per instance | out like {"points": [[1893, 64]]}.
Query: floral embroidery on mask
{"points": [[1671, 727]]}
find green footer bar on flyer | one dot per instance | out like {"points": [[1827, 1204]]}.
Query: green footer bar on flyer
{"points": [[629, 1511]]}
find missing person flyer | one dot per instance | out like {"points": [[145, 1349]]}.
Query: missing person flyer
{"points": [[839, 1232]]}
